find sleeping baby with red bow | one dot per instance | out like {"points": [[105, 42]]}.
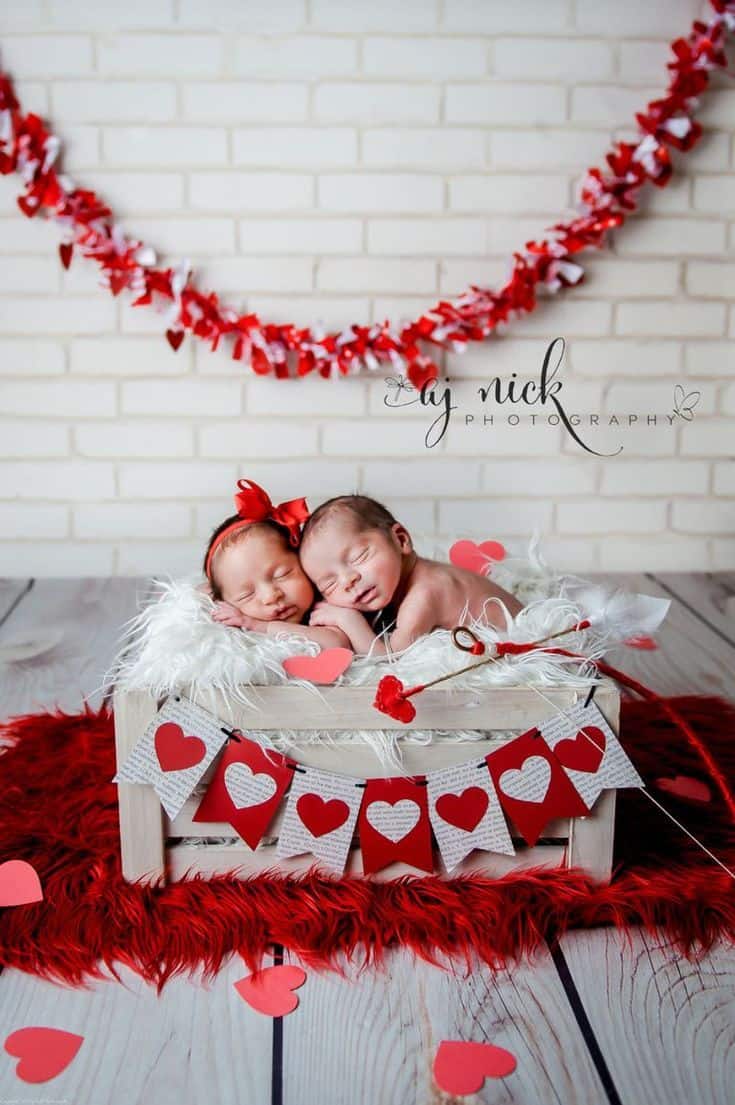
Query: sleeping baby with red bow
{"points": [[378, 595]]}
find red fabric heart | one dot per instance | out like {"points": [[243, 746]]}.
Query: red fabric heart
{"points": [[174, 338], [461, 1067], [66, 250], [474, 558], [176, 752], [644, 643], [580, 753], [322, 816], [270, 990], [324, 668], [43, 1052], [390, 699], [464, 811], [683, 786], [19, 883]]}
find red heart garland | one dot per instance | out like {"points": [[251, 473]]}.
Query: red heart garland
{"points": [[175, 751], [466, 810], [582, 753], [322, 816]]}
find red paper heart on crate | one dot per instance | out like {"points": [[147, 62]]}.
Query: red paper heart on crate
{"points": [[324, 668], [582, 753], [43, 1052], [174, 750], [19, 883], [473, 557], [270, 990], [322, 816], [466, 810], [461, 1067]]}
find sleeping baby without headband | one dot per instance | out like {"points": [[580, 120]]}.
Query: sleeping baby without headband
{"points": [[254, 505]]}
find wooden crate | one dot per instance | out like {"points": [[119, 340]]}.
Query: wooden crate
{"points": [[154, 847]]}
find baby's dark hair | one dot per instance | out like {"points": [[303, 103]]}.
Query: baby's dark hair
{"points": [[367, 512], [233, 538]]}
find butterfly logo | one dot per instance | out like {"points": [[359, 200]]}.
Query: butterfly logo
{"points": [[684, 404]]}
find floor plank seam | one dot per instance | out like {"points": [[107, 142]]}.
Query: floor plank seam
{"points": [[692, 610], [16, 601], [277, 1052], [580, 1015]]}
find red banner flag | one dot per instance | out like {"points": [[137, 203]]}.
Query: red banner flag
{"points": [[394, 824]]}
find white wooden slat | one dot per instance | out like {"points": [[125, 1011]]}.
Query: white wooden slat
{"points": [[666, 1025], [372, 1037], [190, 1045], [76, 626], [143, 846]]}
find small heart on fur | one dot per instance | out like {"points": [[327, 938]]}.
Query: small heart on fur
{"points": [[475, 558], [461, 1067], [43, 1052], [466, 810], [324, 668], [683, 786], [175, 751], [174, 338], [321, 816], [19, 883], [270, 990]]}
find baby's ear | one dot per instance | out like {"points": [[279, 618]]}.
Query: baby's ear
{"points": [[402, 536]]}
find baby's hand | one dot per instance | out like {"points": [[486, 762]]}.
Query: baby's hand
{"points": [[340, 616], [228, 614]]}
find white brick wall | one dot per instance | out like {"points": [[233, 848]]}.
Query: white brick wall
{"points": [[332, 161]]}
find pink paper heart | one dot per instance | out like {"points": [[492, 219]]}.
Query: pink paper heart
{"points": [[324, 668], [461, 1067], [270, 990], [19, 883], [43, 1052], [474, 558], [683, 786]]}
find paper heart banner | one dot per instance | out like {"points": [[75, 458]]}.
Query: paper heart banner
{"points": [[394, 824], [589, 752], [320, 817], [246, 788], [174, 752], [465, 812]]}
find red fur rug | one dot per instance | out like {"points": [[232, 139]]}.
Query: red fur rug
{"points": [[58, 811]]}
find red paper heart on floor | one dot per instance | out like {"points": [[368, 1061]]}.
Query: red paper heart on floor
{"points": [[66, 249], [322, 816], [324, 668], [19, 883], [474, 558], [464, 811], [644, 643], [582, 753], [43, 1052], [683, 786], [461, 1067], [270, 990], [174, 338], [176, 752]]}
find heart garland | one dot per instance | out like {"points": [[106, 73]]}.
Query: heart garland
{"points": [[89, 225]]}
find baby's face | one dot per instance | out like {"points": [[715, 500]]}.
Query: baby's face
{"points": [[355, 567], [263, 578]]}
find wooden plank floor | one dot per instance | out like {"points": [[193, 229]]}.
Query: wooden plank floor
{"points": [[599, 1018]]}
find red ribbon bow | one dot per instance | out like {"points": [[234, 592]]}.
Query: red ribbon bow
{"points": [[254, 505]]}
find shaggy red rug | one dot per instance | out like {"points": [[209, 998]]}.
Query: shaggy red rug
{"points": [[58, 811]]}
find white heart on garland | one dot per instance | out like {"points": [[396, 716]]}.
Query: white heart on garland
{"points": [[529, 782], [246, 788], [393, 821]]}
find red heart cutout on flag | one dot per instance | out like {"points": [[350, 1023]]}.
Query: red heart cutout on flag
{"points": [[582, 753], [683, 786], [466, 810], [66, 250], [19, 883], [474, 558], [461, 1067], [270, 990], [174, 338], [322, 816], [324, 668], [176, 752], [43, 1052]]}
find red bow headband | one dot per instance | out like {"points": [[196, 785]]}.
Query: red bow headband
{"points": [[254, 505]]}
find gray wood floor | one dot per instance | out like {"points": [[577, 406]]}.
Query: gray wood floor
{"points": [[603, 1018]]}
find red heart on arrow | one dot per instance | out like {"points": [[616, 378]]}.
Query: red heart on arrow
{"points": [[176, 752], [19, 883], [324, 668], [580, 753], [270, 990], [319, 816], [43, 1052], [461, 1067], [474, 558], [464, 811]]}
